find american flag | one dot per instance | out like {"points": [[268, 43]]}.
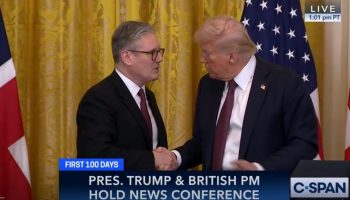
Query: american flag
{"points": [[278, 30], [347, 134], [14, 166]]}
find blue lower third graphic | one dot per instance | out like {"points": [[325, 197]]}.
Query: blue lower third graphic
{"points": [[91, 164], [174, 185]]}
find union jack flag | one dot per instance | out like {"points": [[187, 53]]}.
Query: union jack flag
{"points": [[14, 165]]}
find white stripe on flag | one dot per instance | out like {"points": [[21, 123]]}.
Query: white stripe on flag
{"points": [[315, 102], [18, 151], [7, 72], [314, 98]]}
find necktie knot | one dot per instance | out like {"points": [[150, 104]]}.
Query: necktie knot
{"points": [[232, 84], [141, 94]]}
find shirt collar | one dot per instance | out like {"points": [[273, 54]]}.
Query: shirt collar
{"points": [[132, 87], [246, 74]]}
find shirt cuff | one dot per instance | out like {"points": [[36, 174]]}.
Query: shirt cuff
{"points": [[178, 157], [259, 167]]}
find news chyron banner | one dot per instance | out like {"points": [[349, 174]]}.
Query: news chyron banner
{"points": [[106, 179]]}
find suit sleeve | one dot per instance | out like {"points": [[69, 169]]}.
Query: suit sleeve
{"points": [[191, 151], [96, 137]]}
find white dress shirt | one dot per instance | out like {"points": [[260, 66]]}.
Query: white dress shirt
{"points": [[134, 89], [244, 81]]}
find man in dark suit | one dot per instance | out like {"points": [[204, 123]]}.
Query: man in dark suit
{"points": [[250, 115], [118, 117]]}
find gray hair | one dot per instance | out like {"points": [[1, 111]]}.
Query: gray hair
{"points": [[126, 35]]}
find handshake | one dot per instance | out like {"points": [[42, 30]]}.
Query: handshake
{"points": [[164, 159]]}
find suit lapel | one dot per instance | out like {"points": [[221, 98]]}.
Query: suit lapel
{"points": [[132, 106], [258, 90], [162, 140]]}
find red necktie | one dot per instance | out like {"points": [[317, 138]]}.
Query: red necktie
{"points": [[222, 127], [144, 111]]}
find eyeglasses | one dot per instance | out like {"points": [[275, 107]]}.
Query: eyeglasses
{"points": [[155, 53]]}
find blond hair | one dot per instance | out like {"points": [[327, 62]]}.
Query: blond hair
{"points": [[227, 34]]}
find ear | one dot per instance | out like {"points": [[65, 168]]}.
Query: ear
{"points": [[233, 58], [126, 57]]}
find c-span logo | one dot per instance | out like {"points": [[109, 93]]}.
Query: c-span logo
{"points": [[313, 187]]}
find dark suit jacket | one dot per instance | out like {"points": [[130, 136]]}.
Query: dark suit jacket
{"points": [[111, 125], [279, 126]]}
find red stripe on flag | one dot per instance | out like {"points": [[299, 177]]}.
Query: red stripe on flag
{"points": [[13, 183], [320, 142], [347, 132], [349, 101], [11, 128], [347, 153]]}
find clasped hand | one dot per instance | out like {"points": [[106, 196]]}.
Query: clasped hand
{"points": [[164, 159]]}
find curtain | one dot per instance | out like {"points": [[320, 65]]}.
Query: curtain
{"points": [[61, 48], [336, 82]]}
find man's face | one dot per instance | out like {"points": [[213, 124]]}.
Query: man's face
{"points": [[145, 68], [216, 62]]}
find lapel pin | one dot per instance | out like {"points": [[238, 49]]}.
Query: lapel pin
{"points": [[263, 86]]}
